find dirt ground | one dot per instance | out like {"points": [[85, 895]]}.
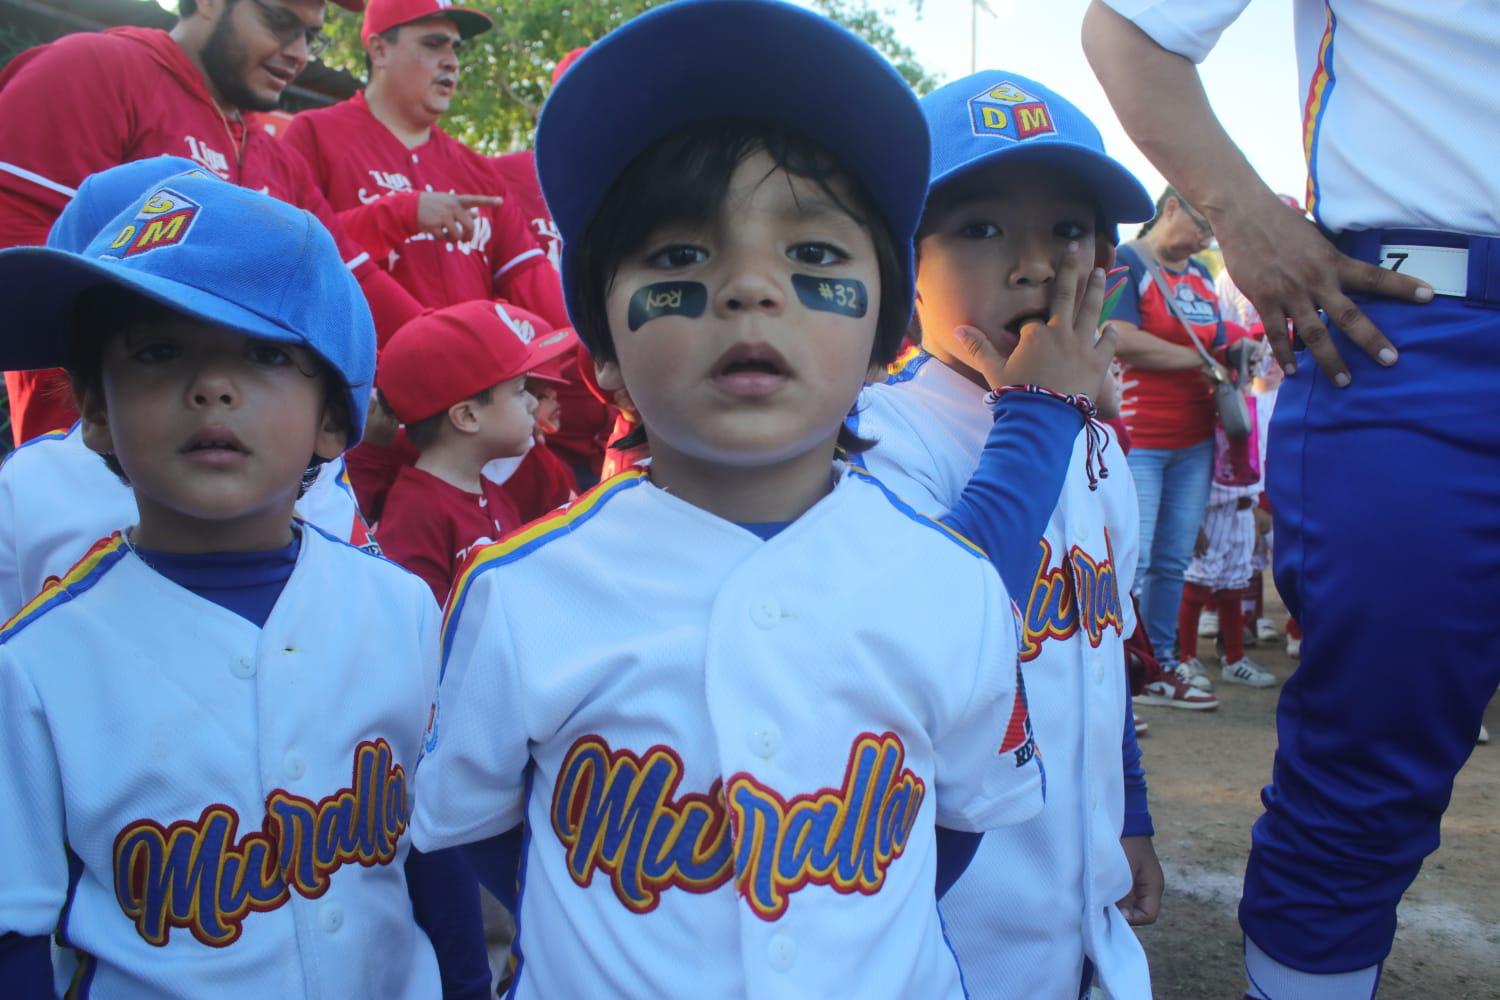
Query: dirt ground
{"points": [[1205, 771]]}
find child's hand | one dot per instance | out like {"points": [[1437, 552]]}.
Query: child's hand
{"points": [[1066, 354]]}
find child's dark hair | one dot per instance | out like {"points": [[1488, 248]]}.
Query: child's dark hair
{"points": [[106, 310], [685, 177], [423, 433]]}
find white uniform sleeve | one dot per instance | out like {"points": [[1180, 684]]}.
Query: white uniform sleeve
{"points": [[1190, 28], [12, 596], [987, 772], [471, 781], [1122, 521], [34, 878], [900, 458]]}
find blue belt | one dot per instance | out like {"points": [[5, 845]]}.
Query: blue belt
{"points": [[1483, 286]]}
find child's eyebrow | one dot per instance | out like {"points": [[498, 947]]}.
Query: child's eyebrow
{"points": [[814, 209]]}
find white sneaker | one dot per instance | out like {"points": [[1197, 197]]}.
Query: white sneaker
{"points": [[1208, 623], [1264, 630], [1484, 735], [1247, 672], [1294, 648], [1142, 727], [1192, 672]]}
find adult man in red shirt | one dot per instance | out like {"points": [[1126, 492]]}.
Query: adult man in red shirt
{"points": [[413, 195], [91, 101]]}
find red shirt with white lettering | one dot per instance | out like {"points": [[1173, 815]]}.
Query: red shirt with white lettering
{"points": [[94, 100], [1168, 409], [430, 526], [360, 165]]}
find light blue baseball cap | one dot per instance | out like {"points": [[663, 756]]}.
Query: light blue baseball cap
{"points": [[694, 61], [104, 195], [210, 250], [994, 116]]}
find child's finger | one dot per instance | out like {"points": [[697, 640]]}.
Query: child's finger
{"points": [[1092, 304], [1109, 339], [1065, 286], [980, 354]]}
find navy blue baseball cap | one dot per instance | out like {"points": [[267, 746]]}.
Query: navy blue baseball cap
{"points": [[214, 252], [695, 61], [104, 195], [993, 116]]}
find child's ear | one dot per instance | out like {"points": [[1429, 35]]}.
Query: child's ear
{"points": [[464, 416], [333, 434], [607, 374], [93, 418]]}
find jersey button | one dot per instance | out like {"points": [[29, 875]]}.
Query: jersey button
{"points": [[765, 741], [782, 951], [243, 666], [765, 612], [331, 917], [293, 764]]}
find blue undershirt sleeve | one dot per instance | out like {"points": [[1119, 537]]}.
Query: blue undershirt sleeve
{"points": [[1005, 507], [955, 849], [497, 864], [445, 903], [1137, 810], [26, 965]]}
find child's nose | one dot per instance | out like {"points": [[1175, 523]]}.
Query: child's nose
{"points": [[212, 383], [1035, 264], [751, 288]]}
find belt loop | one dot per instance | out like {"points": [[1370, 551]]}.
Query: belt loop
{"points": [[1361, 244], [1484, 272]]}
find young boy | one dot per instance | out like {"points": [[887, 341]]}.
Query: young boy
{"points": [[457, 379], [56, 496], [731, 779], [1019, 180], [208, 760]]}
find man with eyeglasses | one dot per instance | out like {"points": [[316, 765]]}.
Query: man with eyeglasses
{"points": [[92, 100]]}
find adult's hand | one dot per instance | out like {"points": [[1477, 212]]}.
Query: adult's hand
{"points": [[450, 216], [1286, 267]]}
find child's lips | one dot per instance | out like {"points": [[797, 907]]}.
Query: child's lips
{"points": [[751, 371], [215, 446]]}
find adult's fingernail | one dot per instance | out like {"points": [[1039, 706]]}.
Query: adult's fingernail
{"points": [[1387, 355], [1424, 294], [1098, 272], [1073, 247], [1341, 379], [1290, 369]]}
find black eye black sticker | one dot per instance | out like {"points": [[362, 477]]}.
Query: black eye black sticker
{"points": [[844, 296], [666, 298]]}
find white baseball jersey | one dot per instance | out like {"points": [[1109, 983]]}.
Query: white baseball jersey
{"points": [[730, 777], [1398, 102], [1040, 894], [57, 498], [203, 808]]}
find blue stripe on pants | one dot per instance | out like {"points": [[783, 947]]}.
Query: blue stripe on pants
{"points": [[1386, 499]]}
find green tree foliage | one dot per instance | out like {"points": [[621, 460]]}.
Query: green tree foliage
{"points": [[507, 71]]}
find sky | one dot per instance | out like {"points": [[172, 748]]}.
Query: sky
{"points": [[1251, 76]]}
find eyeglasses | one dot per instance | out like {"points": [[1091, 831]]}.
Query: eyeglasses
{"points": [[1205, 228], [287, 28]]}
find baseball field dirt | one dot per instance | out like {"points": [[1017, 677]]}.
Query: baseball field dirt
{"points": [[1205, 771]]}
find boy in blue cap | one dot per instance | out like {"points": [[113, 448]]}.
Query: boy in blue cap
{"points": [[731, 780], [1020, 183], [56, 497], [206, 790]]}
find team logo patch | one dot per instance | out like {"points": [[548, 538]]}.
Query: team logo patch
{"points": [[622, 814], [163, 221], [1008, 112]]}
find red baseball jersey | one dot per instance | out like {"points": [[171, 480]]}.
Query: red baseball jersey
{"points": [[1169, 409], [93, 100], [517, 173], [429, 526], [360, 165]]}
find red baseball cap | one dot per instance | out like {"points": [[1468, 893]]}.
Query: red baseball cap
{"points": [[383, 15], [443, 357]]}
